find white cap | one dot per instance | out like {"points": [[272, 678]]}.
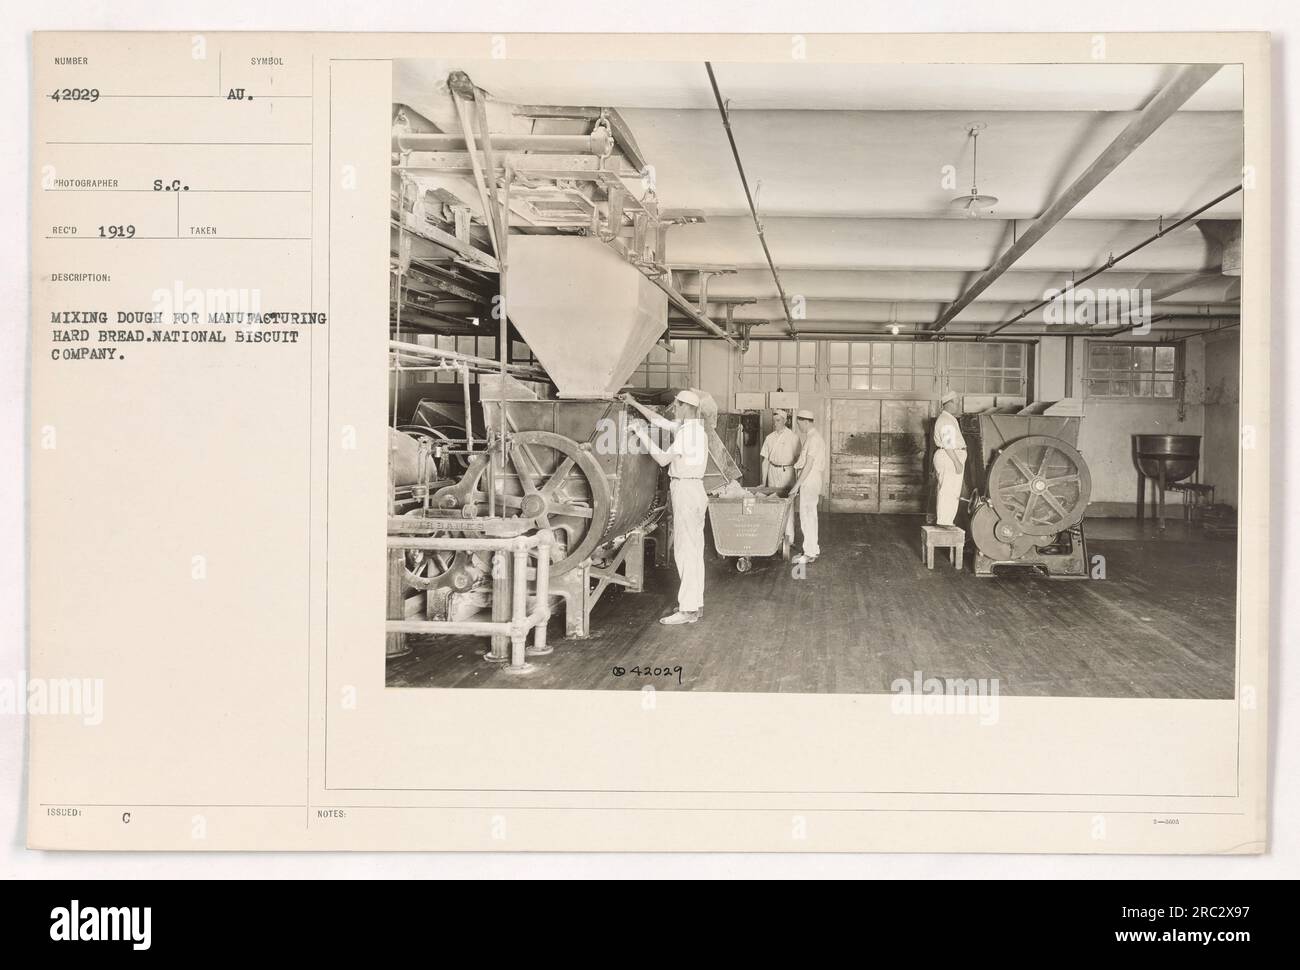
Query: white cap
{"points": [[948, 396], [804, 415], [689, 397]]}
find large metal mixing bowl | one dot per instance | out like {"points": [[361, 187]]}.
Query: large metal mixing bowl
{"points": [[1179, 453]]}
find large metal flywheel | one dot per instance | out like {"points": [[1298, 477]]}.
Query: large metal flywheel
{"points": [[1041, 484], [548, 478]]}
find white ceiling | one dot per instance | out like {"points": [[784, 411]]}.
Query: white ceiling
{"points": [[805, 86], [854, 166]]}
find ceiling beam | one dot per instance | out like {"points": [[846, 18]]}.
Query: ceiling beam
{"points": [[1157, 111]]}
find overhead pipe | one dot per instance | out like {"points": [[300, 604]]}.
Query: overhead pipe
{"points": [[1164, 231], [1199, 333], [689, 309], [753, 210], [1019, 336], [483, 363], [1160, 317], [1157, 111], [599, 142], [852, 336]]}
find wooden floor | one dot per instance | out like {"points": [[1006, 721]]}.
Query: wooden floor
{"points": [[1161, 624]]}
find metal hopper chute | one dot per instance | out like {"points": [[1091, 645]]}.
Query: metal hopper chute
{"points": [[588, 316]]}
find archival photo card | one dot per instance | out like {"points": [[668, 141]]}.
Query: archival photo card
{"points": [[766, 443]]}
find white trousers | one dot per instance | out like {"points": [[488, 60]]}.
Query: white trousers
{"points": [[808, 496], [950, 479], [690, 505], [783, 479]]}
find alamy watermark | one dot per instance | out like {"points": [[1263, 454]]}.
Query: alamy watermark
{"points": [[1082, 306], [55, 696], [923, 695]]}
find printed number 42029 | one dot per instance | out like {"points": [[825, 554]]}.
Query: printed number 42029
{"points": [[75, 94], [649, 671]]}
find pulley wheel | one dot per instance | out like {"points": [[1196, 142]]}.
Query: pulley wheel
{"points": [[998, 538], [426, 569], [547, 478], [983, 529], [1040, 485]]}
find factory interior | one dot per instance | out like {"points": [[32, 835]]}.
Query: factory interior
{"points": [[1050, 254]]}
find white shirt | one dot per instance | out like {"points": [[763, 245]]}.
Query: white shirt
{"points": [[813, 456], [780, 447], [947, 433], [689, 450]]}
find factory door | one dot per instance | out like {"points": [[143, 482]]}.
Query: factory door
{"points": [[878, 455]]}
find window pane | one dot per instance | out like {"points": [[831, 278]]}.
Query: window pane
{"points": [[1142, 389], [839, 382], [923, 355], [993, 355], [680, 347], [839, 353], [1098, 357], [1142, 358], [861, 382], [880, 355], [1164, 387], [807, 353], [1014, 355], [880, 380], [861, 353], [902, 382], [1121, 357], [806, 383], [902, 354], [771, 352], [956, 356], [1165, 358]]}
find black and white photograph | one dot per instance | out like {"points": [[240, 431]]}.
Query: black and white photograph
{"points": [[633, 443], [815, 378]]}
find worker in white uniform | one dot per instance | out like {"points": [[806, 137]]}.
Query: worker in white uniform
{"points": [[687, 458], [811, 466], [779, 453], [949, 459]]}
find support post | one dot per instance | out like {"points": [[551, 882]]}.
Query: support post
{"points": [[543, 586], [501, 603], [519, 612]]}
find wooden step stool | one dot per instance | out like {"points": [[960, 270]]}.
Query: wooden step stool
{"points": [[943, 537]]}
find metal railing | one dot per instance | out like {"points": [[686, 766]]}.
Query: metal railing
{"points": [[520, 621]]}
